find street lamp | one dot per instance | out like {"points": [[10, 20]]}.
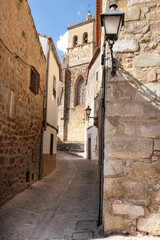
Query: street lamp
{"points": [[112, 21], [88, 112]]}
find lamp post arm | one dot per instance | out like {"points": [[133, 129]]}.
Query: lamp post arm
{"points": [[113, 71], [95, 118]]}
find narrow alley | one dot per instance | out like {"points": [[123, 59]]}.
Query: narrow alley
{"points": [[64, 205]]}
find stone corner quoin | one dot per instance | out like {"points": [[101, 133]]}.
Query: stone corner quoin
{"points": [[132, 136]]}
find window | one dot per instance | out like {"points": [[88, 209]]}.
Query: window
{"points": [[54, 87], [80, 93], [34, 81], [85, 37], [97, 76], [28, 176], [75, 41], [51, 144]]}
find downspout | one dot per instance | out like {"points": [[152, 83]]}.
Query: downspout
{"points": [[100, 217], [44, 124]]}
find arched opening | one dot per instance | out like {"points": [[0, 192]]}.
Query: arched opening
{"points": [[75, 41], [80, 92], [85, 37]]}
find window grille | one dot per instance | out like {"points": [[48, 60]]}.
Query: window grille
{"points": [[34, 81]]}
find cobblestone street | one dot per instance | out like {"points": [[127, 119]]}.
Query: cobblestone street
{"points": [[64, 205]]}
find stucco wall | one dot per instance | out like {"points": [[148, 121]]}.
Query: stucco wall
{"points": [[20, 133], [94, 82], [53, 81], [92, 133], [51, 100], [132, 128]]}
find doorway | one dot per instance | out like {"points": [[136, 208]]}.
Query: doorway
{"points": [[89, 148]]}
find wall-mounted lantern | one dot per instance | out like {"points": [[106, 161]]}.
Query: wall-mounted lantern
{"points": [[88, 112], [112, 21]]}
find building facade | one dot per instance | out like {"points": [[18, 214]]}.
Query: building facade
{"points": [[94, 82], [81, 47], [128, 121], [52, 99], [22, 83], [131, 200]]}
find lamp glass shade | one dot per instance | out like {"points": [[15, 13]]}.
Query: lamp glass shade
{"points": [[112, 24], [112, 21]]}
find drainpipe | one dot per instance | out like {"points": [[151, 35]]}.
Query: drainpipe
{"points": [[100, 217], [44, 125]]}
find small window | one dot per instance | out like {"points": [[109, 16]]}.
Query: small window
{"points": [[51, 144], [75, 41], [97, 76], [85, 38], [34, 81], [28, 176], [54, 87]]}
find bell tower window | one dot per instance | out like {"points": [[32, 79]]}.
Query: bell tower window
{"points": [[85, 37], [75, 41]]}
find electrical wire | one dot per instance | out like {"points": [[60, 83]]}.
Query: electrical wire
{"points": [[18, 57]]}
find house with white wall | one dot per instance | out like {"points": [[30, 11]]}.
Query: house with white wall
{"points": [[51, 99]]}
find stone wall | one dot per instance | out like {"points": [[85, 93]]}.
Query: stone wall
{"points": [[21, 111], [74, 115], [75, 64], [132, 127], [61, 112], [82, 52]]}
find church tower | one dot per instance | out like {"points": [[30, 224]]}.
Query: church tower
{"points": [[81, 47]]}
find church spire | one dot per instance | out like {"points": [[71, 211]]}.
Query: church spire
{"points": [[89, 8], [89, 16]]}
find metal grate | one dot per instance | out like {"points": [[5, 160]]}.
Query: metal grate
{"points": [[34, 81]]}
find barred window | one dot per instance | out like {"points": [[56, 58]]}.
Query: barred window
{"points": [[34, 81]]}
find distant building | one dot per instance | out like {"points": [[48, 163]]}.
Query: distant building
{"points": [[81, 47], [22, 84], [52, 98]]}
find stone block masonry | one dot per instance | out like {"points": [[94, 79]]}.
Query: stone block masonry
{"points": [[132, 127], [75, 69], [21, 111], [74, 123]]}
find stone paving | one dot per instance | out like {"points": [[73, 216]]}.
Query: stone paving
{"points": [[64, 205]]}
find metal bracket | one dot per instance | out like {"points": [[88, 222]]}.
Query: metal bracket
{"points": [[113, 71]]}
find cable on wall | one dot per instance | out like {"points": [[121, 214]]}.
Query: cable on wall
{"points": [[18, 57]]}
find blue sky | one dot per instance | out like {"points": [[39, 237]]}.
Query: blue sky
{"points": [[51, 17]]}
